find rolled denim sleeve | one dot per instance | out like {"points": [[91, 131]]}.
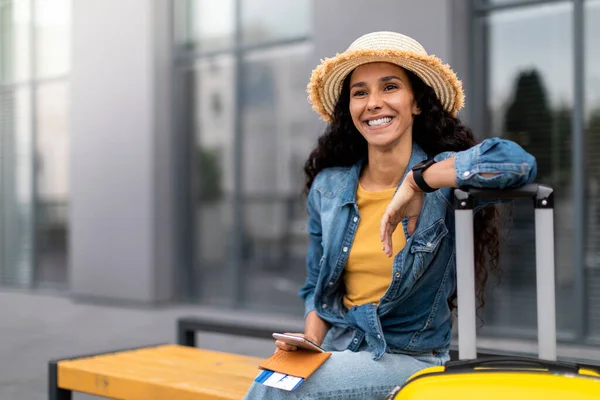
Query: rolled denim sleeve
{"points": [[511, 165], [315, 252]]}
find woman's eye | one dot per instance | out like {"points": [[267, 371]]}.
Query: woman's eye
{"points": [[390, 87], [359, 93]]}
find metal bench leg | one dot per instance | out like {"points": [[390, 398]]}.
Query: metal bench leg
{"points": [[54, 392], [185, 335]]}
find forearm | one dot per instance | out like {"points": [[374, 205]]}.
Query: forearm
{"points": [[443, 174], [315, 328]]}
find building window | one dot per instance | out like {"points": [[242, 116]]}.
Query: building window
{"points": [[531, 96], [252, 126], [34, 142], [591, 126], [265, 21]]}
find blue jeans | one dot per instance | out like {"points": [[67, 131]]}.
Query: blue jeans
{"points": [[353, 375]]}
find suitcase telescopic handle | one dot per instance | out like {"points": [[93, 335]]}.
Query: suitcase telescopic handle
{"points": [[512, 362], [465, 202], [542, 195]]}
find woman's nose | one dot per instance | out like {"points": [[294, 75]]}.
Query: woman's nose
{"points": [[374, 102]]}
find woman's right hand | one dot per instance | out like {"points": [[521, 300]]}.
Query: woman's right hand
{"points": [[286, 347], [315, 329]]}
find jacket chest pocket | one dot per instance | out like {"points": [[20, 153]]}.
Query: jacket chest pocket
{"points": [[425, 245]]}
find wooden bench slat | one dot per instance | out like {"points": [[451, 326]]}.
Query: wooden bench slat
{"points": [[169, 371], [186, 359]]}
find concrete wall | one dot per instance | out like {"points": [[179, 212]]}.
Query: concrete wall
{"points": [[121, 207], [459, 57]]}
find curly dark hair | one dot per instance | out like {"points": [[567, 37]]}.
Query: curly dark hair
{"points": [[435, 130]]}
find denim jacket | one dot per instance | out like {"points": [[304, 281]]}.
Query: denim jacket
{"points": [[413, 316]]}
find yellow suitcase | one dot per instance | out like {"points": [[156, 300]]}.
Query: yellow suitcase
{"points": [[495, 378], [501, 378]]}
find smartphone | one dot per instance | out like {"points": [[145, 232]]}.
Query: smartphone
{"points": [[298, 341]]}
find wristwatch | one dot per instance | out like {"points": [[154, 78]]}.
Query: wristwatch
{"points": [[418, 175]]}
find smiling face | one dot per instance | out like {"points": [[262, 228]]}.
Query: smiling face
{"points": [[382, 104]]}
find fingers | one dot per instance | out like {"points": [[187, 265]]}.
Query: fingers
{"points": [[386, 229], [388, 245], [284, 346], [383, 226], [385, 233], [287, 347]]}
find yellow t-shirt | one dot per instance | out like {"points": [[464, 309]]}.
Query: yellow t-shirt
{"points": [[368, 271]]}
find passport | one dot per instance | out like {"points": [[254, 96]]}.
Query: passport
{"points": [[288, 369]]}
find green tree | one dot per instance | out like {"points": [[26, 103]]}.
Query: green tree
{"points": [[528, 120], [561, 148], [209, 175], [593, 145]]}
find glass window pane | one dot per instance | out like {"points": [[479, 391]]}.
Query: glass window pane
{"points": [[502, 2], [53, 27], [52, 144], [278, 132], [211, 102], [15, 41], [592, 130], [16, 180], [265, 20], [205, 25], [530, 100], [182, 21]]}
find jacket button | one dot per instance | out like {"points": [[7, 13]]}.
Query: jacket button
{"points": [[345, 249], [397, 274], [355, 340], [429, 244], [355, 219], [378, 336], [467, 173], [324, 306], [330, 283]]}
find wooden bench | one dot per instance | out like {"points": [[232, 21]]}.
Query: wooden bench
{"points": [[159, 372], [166, 371], [174, 371]]}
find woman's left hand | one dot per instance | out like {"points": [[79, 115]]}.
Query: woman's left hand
{"points": [[407, 202]]}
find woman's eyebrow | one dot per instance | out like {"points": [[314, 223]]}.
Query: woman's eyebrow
{"points": [[382, 79], [357, 84], [389, 78]]}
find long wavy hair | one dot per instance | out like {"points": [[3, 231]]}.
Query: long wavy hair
{"points": [[435, 131]]}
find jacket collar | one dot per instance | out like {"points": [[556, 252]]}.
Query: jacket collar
{"points": [[348, 193]]}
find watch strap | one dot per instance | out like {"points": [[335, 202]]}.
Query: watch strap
{"points": [[418, 175]]}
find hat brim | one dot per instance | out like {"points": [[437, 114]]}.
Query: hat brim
{"points": [[326, 80]]}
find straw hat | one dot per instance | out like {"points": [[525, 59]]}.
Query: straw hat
{"points": [[326, 81]]}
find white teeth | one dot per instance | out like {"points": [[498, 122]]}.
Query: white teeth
{"points": [[380, 121]]}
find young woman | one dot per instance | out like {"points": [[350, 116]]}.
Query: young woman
{"points": [[381, 273]]}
